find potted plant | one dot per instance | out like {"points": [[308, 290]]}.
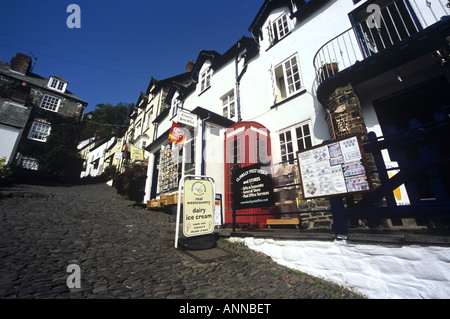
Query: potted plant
{"points": [[328, 69]]}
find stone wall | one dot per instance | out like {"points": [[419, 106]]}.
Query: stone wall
{"points": [[344, 115], [68, 106]]}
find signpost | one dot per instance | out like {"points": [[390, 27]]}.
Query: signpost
{"points": [[198, 206], [334, 168]]}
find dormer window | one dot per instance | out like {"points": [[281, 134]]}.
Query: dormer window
{"points": [[278, 29], [205, 79], [57, 84], [176, 104]]}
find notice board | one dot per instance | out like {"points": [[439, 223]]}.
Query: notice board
{"points": [[334, 168], [252, 187]]}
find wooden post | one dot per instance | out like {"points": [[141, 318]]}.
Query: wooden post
{"points": [[340, 221]]}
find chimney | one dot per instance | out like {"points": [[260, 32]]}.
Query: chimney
{"points": [[21, 63], [190, 66], [20, 94]]}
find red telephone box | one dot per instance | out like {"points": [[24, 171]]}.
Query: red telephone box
{"points": [[246, 143]]}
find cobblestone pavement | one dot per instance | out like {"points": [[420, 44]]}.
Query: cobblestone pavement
{"points": [[125, 252]]}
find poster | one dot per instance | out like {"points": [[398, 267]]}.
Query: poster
{"points": [[198, 217], [252, 187], [218, 210], [334, 168]]}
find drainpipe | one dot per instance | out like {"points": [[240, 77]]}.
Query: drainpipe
{"points": [[203, 142], [238, 81], [238, 97]]}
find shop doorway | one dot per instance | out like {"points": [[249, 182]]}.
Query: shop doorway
{"points": [[419, 102], [246, 143]]}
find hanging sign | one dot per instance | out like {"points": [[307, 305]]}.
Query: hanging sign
{"points": [[177, 135], [136, 153], [252, 187], [198, 205], [334, 168]]}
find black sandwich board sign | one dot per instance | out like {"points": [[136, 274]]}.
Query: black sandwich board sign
{"points": [[252, 187]]}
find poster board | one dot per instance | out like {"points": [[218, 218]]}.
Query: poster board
{"points": [[252, 187], [198, 206], [334, 168]]}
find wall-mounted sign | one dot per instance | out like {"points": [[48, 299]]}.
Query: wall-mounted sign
{"points": [[136, 153], [334, 168], [252, 187], [186, 118], [198, 205]]}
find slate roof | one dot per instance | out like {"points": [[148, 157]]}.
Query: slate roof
{"points": [[35, 80], [13, 115]]}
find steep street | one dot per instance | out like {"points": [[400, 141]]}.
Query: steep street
{"points": [[124, 251]]}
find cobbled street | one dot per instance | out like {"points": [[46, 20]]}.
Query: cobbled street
{"points": [[125, 252]]}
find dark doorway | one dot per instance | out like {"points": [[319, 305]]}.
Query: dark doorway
{"points": [[419, 102]]}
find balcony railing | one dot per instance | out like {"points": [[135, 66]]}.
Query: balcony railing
{"points": [[380, 28]]}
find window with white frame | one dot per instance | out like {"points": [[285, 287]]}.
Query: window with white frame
{"points": [[39, 131], [205, 79], [176, 103], [295, 139], [149, 117], [57, 84], [28, 162], [287, 80], [278, 29], [50, 103], [229, 105]]}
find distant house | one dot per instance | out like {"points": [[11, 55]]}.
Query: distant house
{"points": [[96, 155], [31, 108]]}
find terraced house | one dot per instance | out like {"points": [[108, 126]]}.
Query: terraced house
{"points": [[310, 72], [33, 110]]}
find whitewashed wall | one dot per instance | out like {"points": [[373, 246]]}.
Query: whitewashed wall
{"points": [[8, 138], [379, 271]]}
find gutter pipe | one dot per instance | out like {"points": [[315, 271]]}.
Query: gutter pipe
{"points": [[203, 142]]}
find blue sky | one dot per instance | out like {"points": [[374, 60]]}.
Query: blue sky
{"points": [[121, 44]]}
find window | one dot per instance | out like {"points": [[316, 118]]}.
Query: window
{"points": [[28, 162], [281, 27], [39, 131], [229, 105], [278, 29], [149, 117], [293, 140], [287, 149], [175, 105], [50, 103], [287, 79], [205, 79], [189, 152], [303, 135], [57, 84]]}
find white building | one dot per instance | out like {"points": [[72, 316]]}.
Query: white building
{"points": [[13, 117], [315, 70], [95, 154]]}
